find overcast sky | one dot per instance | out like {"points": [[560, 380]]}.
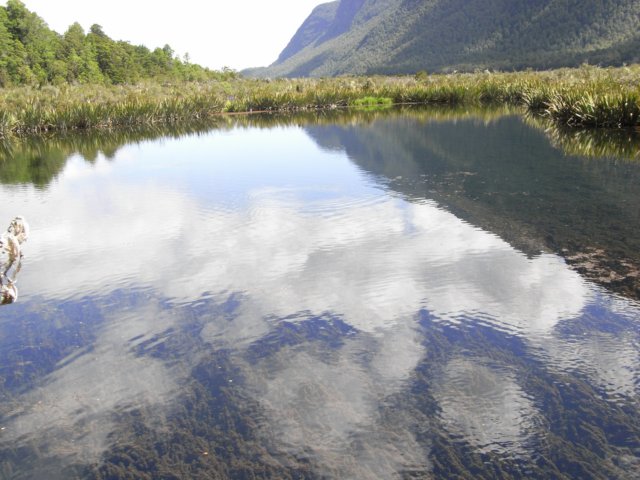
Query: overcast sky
{"points": [[234, 33]]}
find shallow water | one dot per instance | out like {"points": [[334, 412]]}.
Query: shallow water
{"points": [[378, 296]]}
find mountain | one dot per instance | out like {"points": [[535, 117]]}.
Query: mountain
{"points": [[314, 27], [406, 36]]}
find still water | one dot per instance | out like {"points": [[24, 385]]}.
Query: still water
{"points": [[362, 296]]}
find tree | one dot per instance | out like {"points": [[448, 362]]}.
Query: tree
{"points": [[31, 53], [40, 43], [13, 57], [80, 57]]}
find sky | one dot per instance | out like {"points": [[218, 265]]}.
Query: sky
{"points": [[236, 34]]}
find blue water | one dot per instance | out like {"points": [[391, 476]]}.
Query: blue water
{"points": [[319, 301]]}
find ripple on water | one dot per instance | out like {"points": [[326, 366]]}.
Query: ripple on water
{"points": [[610, 361], [482, 404]]}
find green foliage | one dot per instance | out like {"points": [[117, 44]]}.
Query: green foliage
{"points": [[584, 97], [32, 54], [372, 101], [408, 36]]}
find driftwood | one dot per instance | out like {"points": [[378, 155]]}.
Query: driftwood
{"points": [[11, 255]]}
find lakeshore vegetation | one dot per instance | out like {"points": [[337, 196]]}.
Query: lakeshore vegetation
{"points": [[78, 81], [583, 97]]}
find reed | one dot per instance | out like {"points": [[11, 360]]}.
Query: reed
{"points": [[583, 97], [610, 109]]}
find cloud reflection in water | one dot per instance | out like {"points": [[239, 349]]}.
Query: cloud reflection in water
{"points": [[329, 410], [71, 414], [483, 404], [370, 260]]}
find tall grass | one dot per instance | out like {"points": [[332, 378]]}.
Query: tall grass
{"points": [[583, 97]]}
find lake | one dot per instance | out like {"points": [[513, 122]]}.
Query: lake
{"points": [[405, 293]]}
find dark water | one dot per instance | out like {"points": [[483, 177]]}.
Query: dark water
{"points": [[405, 294]]}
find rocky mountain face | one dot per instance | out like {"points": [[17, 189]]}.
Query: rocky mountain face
{"points": [[406, 36], [313, 28]]}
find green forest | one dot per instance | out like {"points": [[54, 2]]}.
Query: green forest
{"points": [[33, 54], [390, 37]]}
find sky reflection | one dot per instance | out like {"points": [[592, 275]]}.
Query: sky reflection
{"points": [[73, 411], [483, 403], [290, 251]]}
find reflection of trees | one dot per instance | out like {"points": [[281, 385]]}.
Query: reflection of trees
{"points": [[478, 169], [38, 160], [35, 163]]}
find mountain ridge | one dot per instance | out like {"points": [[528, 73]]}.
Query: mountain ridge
{"points": [[406, 36]]}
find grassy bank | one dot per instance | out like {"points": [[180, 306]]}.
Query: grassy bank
{"points": [[585, 97]]}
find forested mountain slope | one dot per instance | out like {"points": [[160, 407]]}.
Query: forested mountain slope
{"points": [[406, 36]]}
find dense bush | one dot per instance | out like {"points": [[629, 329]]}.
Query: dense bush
{"points": [[32, 54]]}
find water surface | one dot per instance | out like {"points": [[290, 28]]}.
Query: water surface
{"points": [[395, 295]]}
